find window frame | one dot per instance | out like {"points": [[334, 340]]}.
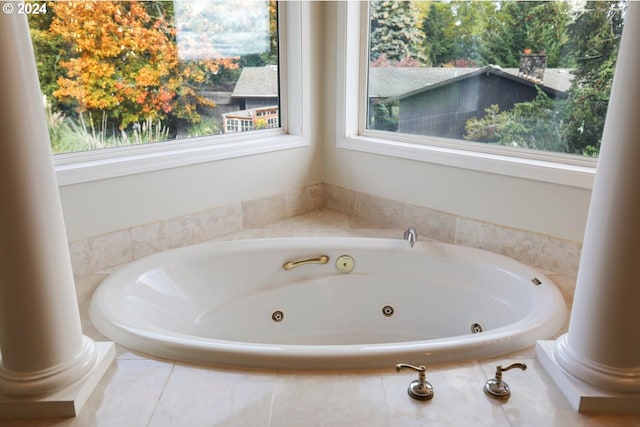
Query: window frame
{"points": [[293, 17], [351, 132]]}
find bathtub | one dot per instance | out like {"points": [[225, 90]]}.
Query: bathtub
{"points": [[342, 303]]}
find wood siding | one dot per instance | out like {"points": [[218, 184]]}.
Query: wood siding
{"points": [[443, 111]]}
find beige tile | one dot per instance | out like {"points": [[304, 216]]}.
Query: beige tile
{"points": [[127, 396], [80, 252], [431, 224], [319, 221], [96, 253], [490, 237], [85, 287], [262, 211], [557, 255], [216, 222], [535, 401], [328, 399], [158, 236], [341, 200], [458, 399], [199, 396], [382, 212], [296, 202], [560, 256], [315, 196], [304, 199]]}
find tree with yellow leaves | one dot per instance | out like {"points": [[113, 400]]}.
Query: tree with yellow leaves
{"points": [[121, 59]]}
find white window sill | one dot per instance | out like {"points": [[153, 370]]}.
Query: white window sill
{"points": [[75, 168], [580, 176]]}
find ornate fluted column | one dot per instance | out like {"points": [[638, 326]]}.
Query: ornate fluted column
{"points": [[597, 362], [44, 358]]}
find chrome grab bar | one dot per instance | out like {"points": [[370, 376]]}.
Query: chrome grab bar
{"points": [[322, 259]]}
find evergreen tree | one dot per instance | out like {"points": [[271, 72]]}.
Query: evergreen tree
{"points": [[47, 47], [395, 33], [455, 32], [547, 31], [594, 40], [438, 27], [501, 45], [510, 37], [516, 25], [483, 33], [470, 29]]}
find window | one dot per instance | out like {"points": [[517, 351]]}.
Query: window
{"points": [[528, 77], [121, 73], [232, 125], [248, 120], [285, 132]]}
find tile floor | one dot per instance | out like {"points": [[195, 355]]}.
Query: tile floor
{"points": [[141, 391]]}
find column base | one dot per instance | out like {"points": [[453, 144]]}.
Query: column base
{"points": [[66, 402], [584, 397]]}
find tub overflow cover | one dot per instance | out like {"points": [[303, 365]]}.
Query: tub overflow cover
{"points": [[345, 264]]}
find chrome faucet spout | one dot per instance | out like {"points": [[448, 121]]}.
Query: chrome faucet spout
{"points": [[411, 235]]}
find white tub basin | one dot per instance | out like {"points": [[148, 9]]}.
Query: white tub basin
{"points": [[217, 302]]}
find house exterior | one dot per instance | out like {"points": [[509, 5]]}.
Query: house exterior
{"points": [[424, 96], [442, 109], [257, 87], [251, 119], [256, 97], [387, 85]]}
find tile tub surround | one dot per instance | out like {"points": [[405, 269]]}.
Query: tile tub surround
{"points": [[363, 210], [141, 391], [122, 246], [537, 250]]}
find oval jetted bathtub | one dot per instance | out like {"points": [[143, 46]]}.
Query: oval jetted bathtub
{"points": [[233, 302]]}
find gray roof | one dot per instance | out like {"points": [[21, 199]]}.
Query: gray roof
{"points": [[555, 78], [257, 82], [386, 82]]}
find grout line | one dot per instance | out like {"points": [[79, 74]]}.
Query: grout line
{"points": [[273, 398], [386, 401], [164, 388], [456, 228], [491, 374]]}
